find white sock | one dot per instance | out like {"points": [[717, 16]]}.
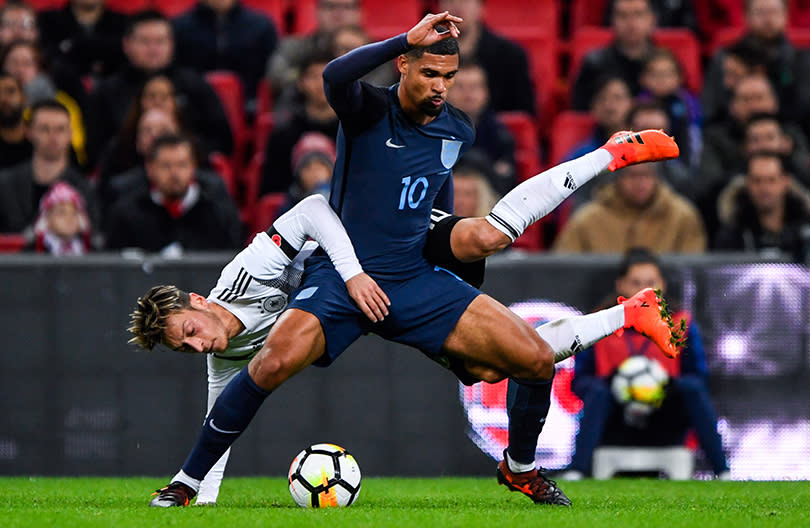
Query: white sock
{"points": [[517, 467], [571, 335], [539, 195], [188, 481]]}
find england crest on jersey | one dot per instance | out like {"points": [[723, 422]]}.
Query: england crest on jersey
{"points": [[450, 150]]}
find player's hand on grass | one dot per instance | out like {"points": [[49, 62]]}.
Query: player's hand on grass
{"points": [[369, 296], [431, 29]]}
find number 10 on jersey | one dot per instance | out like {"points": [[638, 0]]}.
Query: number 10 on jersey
{"points": [[412, 193]]}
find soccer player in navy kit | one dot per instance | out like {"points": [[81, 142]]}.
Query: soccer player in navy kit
{"points": [[396, 149]]}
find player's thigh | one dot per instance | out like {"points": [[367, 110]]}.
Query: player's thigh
{"points": [[294, 342], [491, 335]]}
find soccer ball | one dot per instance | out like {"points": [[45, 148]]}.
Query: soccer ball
{"points": [[640, 380], [324, 476]]}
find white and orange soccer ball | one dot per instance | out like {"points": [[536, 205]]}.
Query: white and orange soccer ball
{"points": [[640, 380], [324, 476]]}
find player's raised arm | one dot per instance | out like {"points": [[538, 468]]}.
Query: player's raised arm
{"points": [[313, 218], [341, 76]]}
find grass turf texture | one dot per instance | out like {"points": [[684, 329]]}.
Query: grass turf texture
{"points": [[423, 503]]}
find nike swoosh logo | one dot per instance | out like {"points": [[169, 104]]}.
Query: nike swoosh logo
{"points": [[391, 144], [217, 429]]}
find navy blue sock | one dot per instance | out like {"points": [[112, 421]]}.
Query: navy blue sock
{"points": [[231, 414], [527, 404]]}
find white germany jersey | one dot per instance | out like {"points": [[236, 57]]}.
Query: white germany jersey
{"points": [[254, 287]]}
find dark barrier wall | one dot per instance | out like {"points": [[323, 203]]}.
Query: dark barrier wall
{"points": [[75, 399]]}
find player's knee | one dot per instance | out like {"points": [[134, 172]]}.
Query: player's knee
{"points": [[541, 365], [269, 370], [487, 240], [486, 374]]}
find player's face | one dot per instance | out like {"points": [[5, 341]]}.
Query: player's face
{"points": [[766, 183], [195, 330], [172, 170], [427, 79], [638, 277], [150, 46]]}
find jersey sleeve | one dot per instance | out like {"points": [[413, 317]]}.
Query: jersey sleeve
{"points": [[313, 218]]}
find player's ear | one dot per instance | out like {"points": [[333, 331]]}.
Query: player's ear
{"points": [[402, 64], [197, 301]]}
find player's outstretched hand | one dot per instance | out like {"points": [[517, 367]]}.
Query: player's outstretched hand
{"points": [[433, 28], [369, 296]]}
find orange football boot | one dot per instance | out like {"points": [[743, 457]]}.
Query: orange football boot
{"points": [[629, 148], [534, 484], [647, 313]]}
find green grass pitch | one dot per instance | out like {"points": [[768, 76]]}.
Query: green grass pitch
{"points": [[422, 503]]}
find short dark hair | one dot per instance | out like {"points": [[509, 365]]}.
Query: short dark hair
{"points": [[448, 46], [663, 53], [602, 82], [635, 256], [144, 17], [48, 104], [764, 154], [169, 140], [764, 116], [749, 53]]}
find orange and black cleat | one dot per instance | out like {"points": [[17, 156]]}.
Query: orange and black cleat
{"points": [[629, 148], [647, 313], [534, 484], [175, 494]]}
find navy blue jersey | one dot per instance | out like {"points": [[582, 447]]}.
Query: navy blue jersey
{"points": [[389, 172]]}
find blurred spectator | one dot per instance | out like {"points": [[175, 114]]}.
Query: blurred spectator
{"points": [[175, 214], [63, 227], [14, 145], [23, 60], [313, 160], [472, 194], [765, 133], [284, 66], [85, 35], [505, 62], [132, 179], [347, 38], [651, 115], [735, 63], [723, 142], [149, 47], [633, 23], [634, 210], [766, 211], [686, 403], [662, 80], [788, 67], [226, 35], [470, 94], [156, 93], [23, 186], [313, 115], [669, 13], [610, 108]]}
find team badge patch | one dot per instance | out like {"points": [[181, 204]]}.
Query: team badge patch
{"points": [[450, 150], [274, 304]]}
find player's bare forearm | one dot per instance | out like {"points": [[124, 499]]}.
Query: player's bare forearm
{"points": [[475, 239], [368, 295]]}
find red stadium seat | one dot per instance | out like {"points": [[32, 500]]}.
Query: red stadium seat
{"points": [[11, 242], [544, 70], [273, 9], [266, 211], [714, 16], [229, 89], [42, 5], [799, 13], [586, 13], [251, 184], [527, 144], [303, 17], [262, 131], [516, 18], [680, 41], [570, 129], [264, 97], [172, 8], [128, 6], [385, 18], [223, 167]]}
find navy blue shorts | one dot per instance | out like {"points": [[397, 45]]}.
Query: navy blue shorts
{"points": [[424, 309]]}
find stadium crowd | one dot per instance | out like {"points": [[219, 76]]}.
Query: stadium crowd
{"points": [[181, 125]]}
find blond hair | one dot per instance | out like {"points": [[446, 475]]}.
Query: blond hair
{"points": [[148, 320]]}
